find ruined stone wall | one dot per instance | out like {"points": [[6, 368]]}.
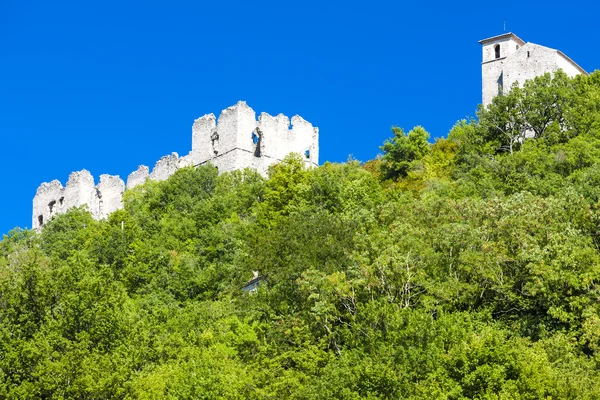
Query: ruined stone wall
{"points": [[254, 143], [52, 198], [236, 141], [109, 193]]}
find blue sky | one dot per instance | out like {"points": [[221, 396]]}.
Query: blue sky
{"points": [[109, 85]]}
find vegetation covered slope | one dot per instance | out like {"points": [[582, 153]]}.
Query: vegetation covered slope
{"points": [[467, 268]]}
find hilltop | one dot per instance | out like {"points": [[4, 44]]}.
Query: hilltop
{"points": [[464, 268]]}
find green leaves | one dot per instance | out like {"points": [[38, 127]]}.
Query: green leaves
{"points": [[447, 270], [402, 150]]}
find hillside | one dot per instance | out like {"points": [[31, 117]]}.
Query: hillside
{"points": [[466, 268]]}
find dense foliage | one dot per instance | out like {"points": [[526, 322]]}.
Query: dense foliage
{"points": [[466, 268]]}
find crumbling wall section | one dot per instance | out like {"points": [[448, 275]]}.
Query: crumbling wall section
{"points": [[47, 202], [81, 191], [165, 167], [138, 176], [305, 140], [110, 194], [274, 134], [52, 198], [205, 139]]}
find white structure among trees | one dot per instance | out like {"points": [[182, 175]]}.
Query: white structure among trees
{"points": [[236, 140], [508, 59]]}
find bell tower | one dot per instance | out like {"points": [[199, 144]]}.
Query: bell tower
{"points": [[495, 51]]}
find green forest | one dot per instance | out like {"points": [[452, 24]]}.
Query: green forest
{"points": [[465, 267]]}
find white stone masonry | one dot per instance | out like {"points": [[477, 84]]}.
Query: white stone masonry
{"points": [[236, 140], [508, 60]]}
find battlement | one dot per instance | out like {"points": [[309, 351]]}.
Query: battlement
{"points": [[236, 140]]}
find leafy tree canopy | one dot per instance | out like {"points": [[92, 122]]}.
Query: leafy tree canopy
{"points": [[464, 268]]}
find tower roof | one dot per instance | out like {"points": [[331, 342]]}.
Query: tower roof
{"points": [[508, 35]]}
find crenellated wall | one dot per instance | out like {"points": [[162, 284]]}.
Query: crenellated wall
{"points": [[236, 140]]}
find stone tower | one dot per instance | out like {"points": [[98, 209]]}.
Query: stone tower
{"points": [[508, 59], [237, 140]]}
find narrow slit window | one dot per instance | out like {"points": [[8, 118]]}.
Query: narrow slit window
{"points": [[497, 50], [307, 154], [257, 139], [51, 206], [41, 220], [214, 138], [500, 84]]}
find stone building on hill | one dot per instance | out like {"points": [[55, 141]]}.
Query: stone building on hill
{"points": [[508, 59]]}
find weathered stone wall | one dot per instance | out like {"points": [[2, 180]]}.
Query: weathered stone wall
{"points": [[165, 167], [48, 201], [534, 60], [110, 195], [138, 176], [80, 190], [237, 140], [52, 199]]}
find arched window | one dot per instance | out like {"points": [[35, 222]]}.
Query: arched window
{"points": [[497, 50]]}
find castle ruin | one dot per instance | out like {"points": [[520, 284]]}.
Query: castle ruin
{"points": [[236, 140], [507, 60]]}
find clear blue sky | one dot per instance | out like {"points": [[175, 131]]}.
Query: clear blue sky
{"points": [[108, 85]]}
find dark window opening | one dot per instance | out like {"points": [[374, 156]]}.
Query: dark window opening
{"points": [[257, 139], [41, 220], [51, 206], [307, 154], [527, 54], [61, 201], [497, 50], [500, 84], [214, 137]]}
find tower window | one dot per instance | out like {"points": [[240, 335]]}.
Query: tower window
{"points": [[527, 54], [41, 220], [307, 154], [497, 50], [257, 140], [500, 84]]}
